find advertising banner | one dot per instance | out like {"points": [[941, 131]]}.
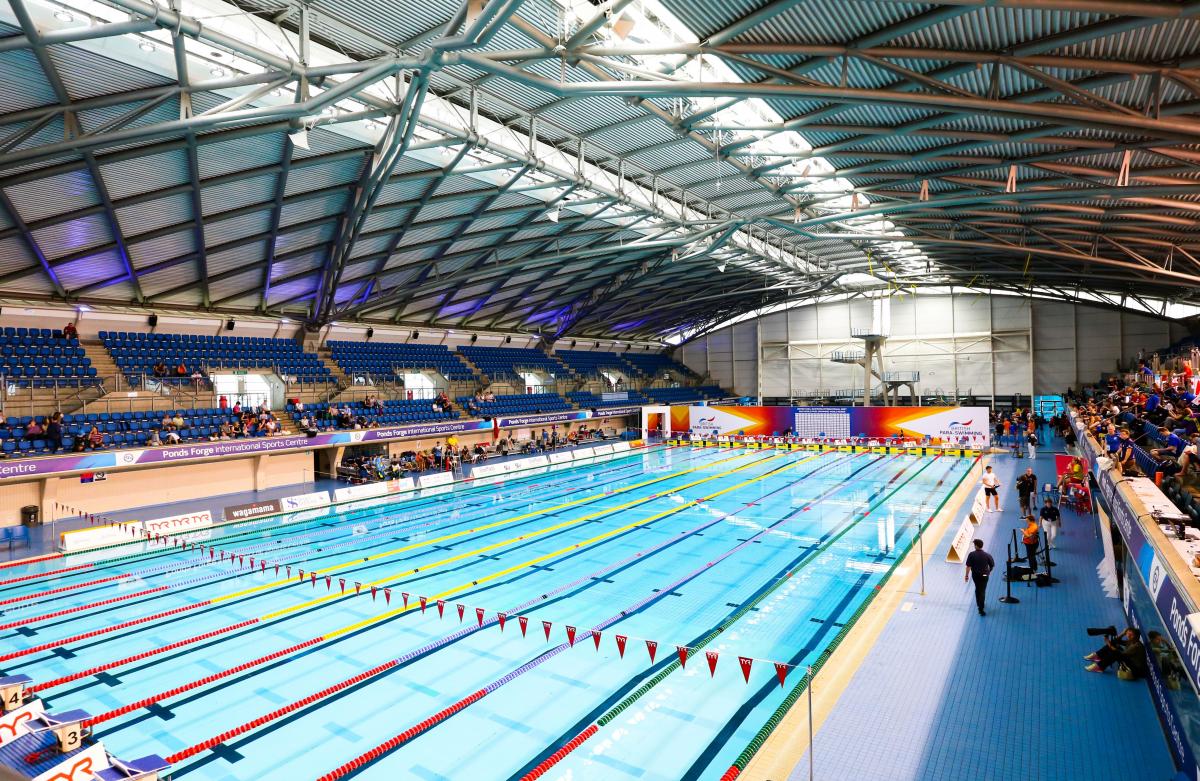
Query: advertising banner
{"points": [[546, 419], [174, 524], [240, 512], [305, 501], [953, 424]]}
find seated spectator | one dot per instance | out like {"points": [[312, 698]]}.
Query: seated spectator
{"points": [[154, 440], [172, 437], [70, 331], [1125, 650], [480, 452], [160, 369], [54, 432], [95, 440], [177, 422], [1173, 444], [237, 407], [35, 430], [181, 370]]}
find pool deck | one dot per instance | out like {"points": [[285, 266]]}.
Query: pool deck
{"points": [[945, 694]]}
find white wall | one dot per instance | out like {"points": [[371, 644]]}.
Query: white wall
{"points": [[986, 345]]}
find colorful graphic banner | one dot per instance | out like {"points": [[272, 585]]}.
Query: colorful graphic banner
{"points": [[952, 424]]}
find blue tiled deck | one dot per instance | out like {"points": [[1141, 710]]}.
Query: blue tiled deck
{"points": [[947, 695]]}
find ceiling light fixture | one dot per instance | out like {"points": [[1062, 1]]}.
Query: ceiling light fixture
{"points": [[721, 267], [299, 138], [63, 15], [217, 71], [147, 46]]}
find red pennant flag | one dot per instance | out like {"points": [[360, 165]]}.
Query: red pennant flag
{"points": [[242, 561], [571, 636], [652, 647], [524, 622], [621, 640], [781, 671], [302, 574], [404, 596], [222, 555], [424, 602], [461, 609], [441, 603], [500, 617], [313, 576], [212, 554], [711, 656], [682, 651], [342, 584], [479, 615], [357, 587], [746, 663], [277, 570], [329, 583], [289, 572], [262, 565], [387, 595], [596, 638], [546, 628], [251, 562], [373, 590]]}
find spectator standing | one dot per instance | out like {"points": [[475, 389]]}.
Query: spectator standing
{"points": [[979, 566], [1031, 442], [54, 432]]}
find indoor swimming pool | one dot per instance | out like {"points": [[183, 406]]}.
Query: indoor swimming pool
{"points": [[519, 628]]}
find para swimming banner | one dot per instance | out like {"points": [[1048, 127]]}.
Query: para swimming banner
{"points": [[946, 423]]}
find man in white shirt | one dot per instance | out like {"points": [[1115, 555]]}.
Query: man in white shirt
{"points": [[991, 489]]}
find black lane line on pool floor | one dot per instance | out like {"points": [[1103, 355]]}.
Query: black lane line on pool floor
{"points": [[636, 682], [356, 687], [278, 622]]}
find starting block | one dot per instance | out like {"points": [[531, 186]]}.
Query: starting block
{"points": [[13, 691], [40, 746]]}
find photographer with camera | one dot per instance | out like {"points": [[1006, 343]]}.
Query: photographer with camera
{"points": [[1125, 650]]}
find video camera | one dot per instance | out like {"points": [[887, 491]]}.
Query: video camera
{"points": [[1106, 631]]}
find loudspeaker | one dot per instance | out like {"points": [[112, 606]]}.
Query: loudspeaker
{"points": [[508, 340], [228, 325], [152, 320], [474, 337], [572, 343], [370, 332], [416, 334]]}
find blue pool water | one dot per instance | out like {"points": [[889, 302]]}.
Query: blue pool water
{"points": [[667, 545]]}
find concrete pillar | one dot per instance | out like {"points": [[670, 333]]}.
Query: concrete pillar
{"points": [[47, 497]]}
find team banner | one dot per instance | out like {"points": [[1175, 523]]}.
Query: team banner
{"points": [[955, 424]]}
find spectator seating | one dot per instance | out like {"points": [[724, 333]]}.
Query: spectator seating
{"points": [[136, 353], [395, 412], [384, 359], [655, 365], [519, 404], [120, 429], [507, 363], [674, 395], [586, 400], [41, 358], [714, 392], [588, 363]]}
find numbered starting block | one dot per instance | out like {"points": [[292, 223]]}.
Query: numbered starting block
{"points": [[40, 746], [13, 692]]}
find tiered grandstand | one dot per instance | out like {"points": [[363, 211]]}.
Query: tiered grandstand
{"points": [[503, 363], [386, 359], [395, 412], [32, 357], [137, 353], [590, 363], [518, 404]]}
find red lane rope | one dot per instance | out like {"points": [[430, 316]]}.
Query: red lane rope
{"points": [[275, 714], [104, 631], [77, 608], [47, 574], [32, 560], [403, 737], [121, 711], [552, 760], [143, 655], [61, 589]]}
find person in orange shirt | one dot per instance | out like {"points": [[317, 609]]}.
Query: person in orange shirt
{"points": [[1030, 537]]}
